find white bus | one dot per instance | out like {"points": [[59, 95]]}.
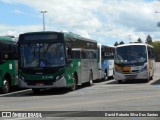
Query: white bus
{"points": [[134, 61], [106, 61]]}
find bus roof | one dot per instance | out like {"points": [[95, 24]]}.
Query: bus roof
{"points": [[40, 32], [66, 34], [76, 36], [134, 44], [4, 38], [111, 46]]}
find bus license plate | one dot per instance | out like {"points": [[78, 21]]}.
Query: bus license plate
{"points": [[135, 68], [40, 84]]}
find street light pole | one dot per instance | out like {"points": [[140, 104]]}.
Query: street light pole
{"points": [[43, 19], [158, 24], [129, 38]]}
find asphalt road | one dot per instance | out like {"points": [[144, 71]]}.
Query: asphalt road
{"points": [[102, 96]]}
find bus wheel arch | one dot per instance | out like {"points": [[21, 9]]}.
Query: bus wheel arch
{"points": [[6, 83]]}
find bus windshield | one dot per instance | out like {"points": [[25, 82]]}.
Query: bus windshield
{"points": [[42, 55], [131, 54]]}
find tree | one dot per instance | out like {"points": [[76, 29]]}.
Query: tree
{"points": [[116, 43], [121, 43], [156, 47], [139, 40], [149, 39]]}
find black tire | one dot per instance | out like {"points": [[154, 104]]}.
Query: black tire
{"points": [[120, 82], [5, 86], [147, 80], [36, 90], [74, 86], [106, 72]]}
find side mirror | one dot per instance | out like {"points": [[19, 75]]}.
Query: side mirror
{"points": [[3, 57], [69, 52]]}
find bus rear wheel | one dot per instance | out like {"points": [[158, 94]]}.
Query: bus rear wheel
{"points": [[105, 75], [5, 86], [90, 82]]}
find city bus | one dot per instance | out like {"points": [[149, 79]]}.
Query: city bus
{"points": [[134, 61], [8, 64], [56, 59], [105, 61]]}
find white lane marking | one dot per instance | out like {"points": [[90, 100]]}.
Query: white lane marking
{"points": [[4, 106]]}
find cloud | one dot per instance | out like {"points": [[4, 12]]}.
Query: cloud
{"points": [[19, 12], [98, 19], [16, 30]]}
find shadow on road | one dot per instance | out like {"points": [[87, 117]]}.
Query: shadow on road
{"points": [[46, 92], [157, 82], [127, 82], [101, 80]]}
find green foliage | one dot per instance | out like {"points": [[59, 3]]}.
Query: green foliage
{"points": [[116, 43], [149, 39], [121, 43], [156, 46], [139, 40]]}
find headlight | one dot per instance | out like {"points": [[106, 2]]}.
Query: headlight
{"points": [[144, 68], [59, 77]]}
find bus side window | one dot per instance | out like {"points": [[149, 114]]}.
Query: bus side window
{"points": [[6, 52], [75, 54], [150, 53], [103, 54], [4, 55]]}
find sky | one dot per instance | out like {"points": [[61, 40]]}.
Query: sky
{"points": [[105, 21]]}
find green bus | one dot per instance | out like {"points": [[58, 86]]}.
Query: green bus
{"points": [[8, 64], [56, 59]]}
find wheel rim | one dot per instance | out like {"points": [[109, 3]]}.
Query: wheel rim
{"points": [[5, 86]]}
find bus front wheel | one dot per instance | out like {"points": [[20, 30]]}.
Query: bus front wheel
{"points": [[36, 90], [105, 75], [90, 82], [74, 86], [6, 86]]}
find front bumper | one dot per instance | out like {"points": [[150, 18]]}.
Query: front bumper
{"points": [[56, 84], [140, 75]]}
